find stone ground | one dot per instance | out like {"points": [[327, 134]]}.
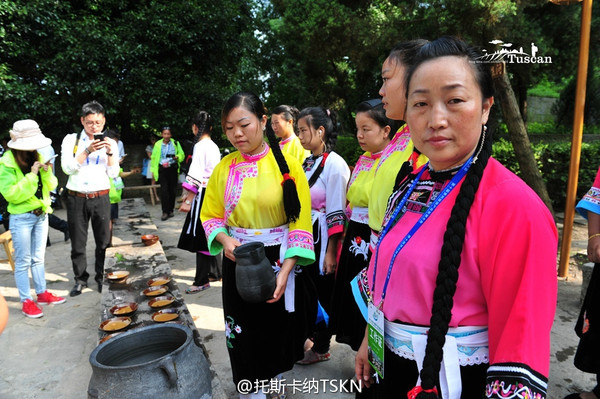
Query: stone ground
{"points": [[49, 357]]}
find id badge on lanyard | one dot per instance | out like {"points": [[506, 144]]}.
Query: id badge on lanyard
{"points": [[376, 317], [118, 182], [376, 339]]}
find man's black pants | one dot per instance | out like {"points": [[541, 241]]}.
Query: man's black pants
{"points": [[80, 211]]}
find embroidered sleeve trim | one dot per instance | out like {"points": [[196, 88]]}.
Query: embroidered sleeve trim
{"points": [[300, 239], [190, 186], [303, 256], [336, 221], [593, 196], [515, 380], [213, 224], [212, 227]]}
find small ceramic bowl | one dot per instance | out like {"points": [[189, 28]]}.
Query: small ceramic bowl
{"points": [[165, 315], [149, 239], [125, 309], [161, 301], [117, 275], [115, 324], [160, 280], [155, 290]]}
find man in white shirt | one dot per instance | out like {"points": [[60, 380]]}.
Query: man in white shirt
{"points": [[90, 160]]}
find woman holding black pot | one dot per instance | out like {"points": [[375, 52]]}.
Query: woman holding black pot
{"points": [[259, 194]]}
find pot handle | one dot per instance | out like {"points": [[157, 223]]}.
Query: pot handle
{"points": [[167, 366]]}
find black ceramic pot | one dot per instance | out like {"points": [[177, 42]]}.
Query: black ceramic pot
{"points": [[254, 276], [157, 361]]}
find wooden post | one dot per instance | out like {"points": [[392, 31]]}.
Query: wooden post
{"points": [[584, 46]]}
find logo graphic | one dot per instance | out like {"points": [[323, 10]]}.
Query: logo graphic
{"points": [[513, 55]]}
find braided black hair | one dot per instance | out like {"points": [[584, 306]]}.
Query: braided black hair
{"points": [[291, 202], [454, 236], [204, 122], [319, 116], [445, 284], [251, 102]]}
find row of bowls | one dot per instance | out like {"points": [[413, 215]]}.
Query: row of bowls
{"points": [[156, 287]]}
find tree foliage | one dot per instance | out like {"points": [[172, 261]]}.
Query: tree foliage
{"points": [[153, 62], [329, 52], [149, 63]]}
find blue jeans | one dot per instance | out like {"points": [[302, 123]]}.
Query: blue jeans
{"points": [[29, 234]]}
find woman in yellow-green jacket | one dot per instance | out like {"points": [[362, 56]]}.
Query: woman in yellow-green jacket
{"points": [[25, 183], [167, 154]]}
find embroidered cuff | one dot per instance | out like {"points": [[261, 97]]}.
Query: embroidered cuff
{"points": [[212, 227], [515, 380], [303, 256], [335, 222], [300, 244], [190, 187], [589, 202]]}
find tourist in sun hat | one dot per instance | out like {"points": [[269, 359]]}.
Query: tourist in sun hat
{"points": [[25, 181]]}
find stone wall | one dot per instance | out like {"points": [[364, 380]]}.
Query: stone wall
{"points": [[539, 109]]}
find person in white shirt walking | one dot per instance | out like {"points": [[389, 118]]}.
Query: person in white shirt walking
{"points": [[205, 157]]}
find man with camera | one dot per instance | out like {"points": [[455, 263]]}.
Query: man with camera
{"points": [[89, 159], [167, 154]]}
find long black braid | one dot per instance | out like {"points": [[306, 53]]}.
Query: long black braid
{"points": [[291, 202], [454, 236], [251, 102], [204, 122], [445, 284]]}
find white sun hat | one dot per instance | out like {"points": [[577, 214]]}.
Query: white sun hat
{"points": [[27, 136]]}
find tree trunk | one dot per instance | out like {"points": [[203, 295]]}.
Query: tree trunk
{"points": [[519, 138]]}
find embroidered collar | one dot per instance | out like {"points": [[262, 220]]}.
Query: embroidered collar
{"points": [[256, 157], [285, 141], [377, 155], [443, 175]]}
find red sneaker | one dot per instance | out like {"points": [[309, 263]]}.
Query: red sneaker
{"points": [[31, 309], [46, 298]]}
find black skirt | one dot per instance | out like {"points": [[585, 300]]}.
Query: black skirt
{"points": [[323, 282], [347, 322], [193, 237], [264, 339], [587, 357]]}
